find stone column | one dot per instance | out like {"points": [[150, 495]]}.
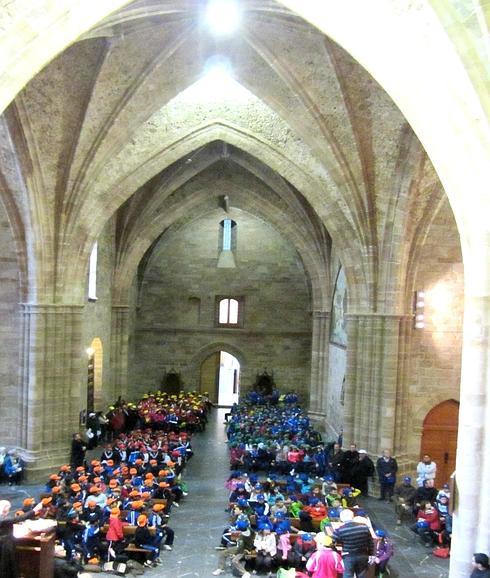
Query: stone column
{"points": [[471, 528], [319, 366], [50, 383], [371, 380], [119, 349]]}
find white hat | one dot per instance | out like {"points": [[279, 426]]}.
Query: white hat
{"points": [[362, 451]]}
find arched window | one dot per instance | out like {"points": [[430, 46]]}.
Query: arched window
{"points": [[229, 311], [92, 274]]}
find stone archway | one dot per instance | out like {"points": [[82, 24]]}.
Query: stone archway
{"points": [[210, 350]]}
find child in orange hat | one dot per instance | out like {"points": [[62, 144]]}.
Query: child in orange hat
{"points": [[144, 539]]}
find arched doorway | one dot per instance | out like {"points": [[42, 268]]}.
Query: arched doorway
{"points": [[439, 438], [220, 377], [94, 374]]}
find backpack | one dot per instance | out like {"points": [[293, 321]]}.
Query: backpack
{"points": [[441, 552]]}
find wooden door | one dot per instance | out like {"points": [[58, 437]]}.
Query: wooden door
{"points": [[439, 438], [210, 376]]}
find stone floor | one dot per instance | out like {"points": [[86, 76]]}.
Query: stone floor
{"points": [[199, 521]]}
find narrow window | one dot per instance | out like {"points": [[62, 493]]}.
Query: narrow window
{"points": [[227, 235], [92, 274]]}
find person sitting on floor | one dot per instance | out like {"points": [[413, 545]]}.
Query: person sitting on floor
{"points": [[404, 499], [427, 524]]}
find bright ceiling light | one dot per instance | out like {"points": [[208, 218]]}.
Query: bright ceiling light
{"points": [[223, 16]]}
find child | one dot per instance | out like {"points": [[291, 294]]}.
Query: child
{"points": [[384, 551]]}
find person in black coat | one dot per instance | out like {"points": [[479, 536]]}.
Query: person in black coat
{"points": [[361, 471], [387, 467], [426, 494], [349, 461], [78, 449]]}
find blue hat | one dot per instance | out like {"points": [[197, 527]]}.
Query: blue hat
{"points": [[242, 502], [242, 524], [407, 479], [260, 497], [422, 524], [381, 533], [306, 537]]}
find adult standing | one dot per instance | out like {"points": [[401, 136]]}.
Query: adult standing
{"points": [[93, 430], [426, 470], [349, 460], [361, 471], [357, 545], [334, 462], [78, 449], [387, 467]]}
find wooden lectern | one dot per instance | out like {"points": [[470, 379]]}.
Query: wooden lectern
{"points": [[35, 555]]}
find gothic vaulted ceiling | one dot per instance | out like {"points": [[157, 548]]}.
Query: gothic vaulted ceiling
{"points": [[133, 121]]}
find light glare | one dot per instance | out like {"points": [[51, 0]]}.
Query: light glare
{"points": [[222, 16]]}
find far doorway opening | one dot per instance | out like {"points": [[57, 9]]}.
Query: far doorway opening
{"points": [[220, 377]]}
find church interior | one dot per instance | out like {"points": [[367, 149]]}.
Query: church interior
{"points": [[301, 194]]}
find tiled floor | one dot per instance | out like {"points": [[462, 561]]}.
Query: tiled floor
{"points": [[199, 521]]}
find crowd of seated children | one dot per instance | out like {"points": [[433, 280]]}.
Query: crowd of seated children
{"points": [[289, 516], [136, 483]]}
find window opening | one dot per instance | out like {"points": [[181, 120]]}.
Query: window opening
{"points": [[228, 312], [92, 274]]}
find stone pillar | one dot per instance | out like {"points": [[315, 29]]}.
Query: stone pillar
{"points": [[471, 528], [371, 380], [50, 383], [119, 349], [319, 366]]}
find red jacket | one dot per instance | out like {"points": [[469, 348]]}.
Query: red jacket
{"points": [[115, 532], [431, 517]]}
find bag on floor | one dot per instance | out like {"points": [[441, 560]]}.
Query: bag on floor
{"points": [[120, 569], [441, 552]]}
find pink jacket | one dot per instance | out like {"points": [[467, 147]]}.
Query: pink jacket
{"points": [[325, 563]]}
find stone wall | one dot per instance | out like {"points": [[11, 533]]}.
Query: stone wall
{"points": [[97, 318], [175, 322], [434, 371], [10, 327]]}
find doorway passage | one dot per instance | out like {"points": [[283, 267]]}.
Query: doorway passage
{"points": [[220, 377]]}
